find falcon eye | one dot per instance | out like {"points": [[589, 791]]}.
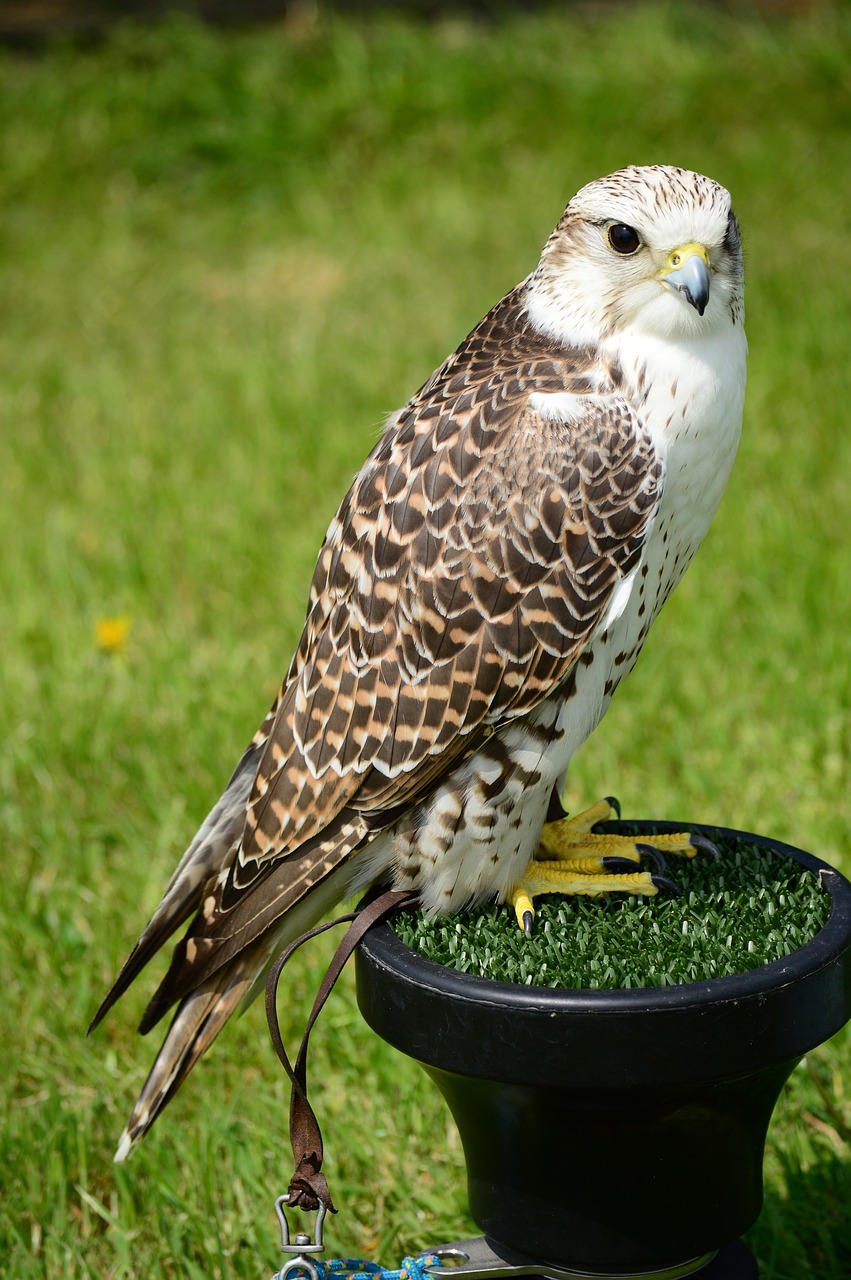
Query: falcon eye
{"points": [[623, 239]]}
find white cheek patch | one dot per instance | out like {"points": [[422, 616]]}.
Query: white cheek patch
{"points": [[547, 313]]}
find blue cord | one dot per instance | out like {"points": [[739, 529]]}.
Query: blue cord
{"points": [[358, 1269]]}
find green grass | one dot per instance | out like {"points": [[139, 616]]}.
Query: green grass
{"points": [[224, 258], [746, 909]]}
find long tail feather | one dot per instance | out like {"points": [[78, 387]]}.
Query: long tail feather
{"points": [[195, 1026], [202, 1014]]}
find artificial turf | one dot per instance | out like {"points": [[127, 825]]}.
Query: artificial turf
{"points": [[743, 910]]}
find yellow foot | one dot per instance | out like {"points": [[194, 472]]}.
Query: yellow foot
{"points": [[576, 860]]}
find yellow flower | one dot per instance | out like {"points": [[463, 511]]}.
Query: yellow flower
{"points": [[111, 633]]}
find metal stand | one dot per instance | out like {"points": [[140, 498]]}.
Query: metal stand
{"points": [[484, 1259]]}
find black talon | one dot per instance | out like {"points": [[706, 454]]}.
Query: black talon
{"points": [[620, 866], [528, 917], [701, 842], [648, 851], [613, 803], [662, 882]]}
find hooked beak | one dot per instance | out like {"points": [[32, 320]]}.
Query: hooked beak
{"points": [[687, 271]]}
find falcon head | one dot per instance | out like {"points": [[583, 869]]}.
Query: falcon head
{"points": [[652, 249]]}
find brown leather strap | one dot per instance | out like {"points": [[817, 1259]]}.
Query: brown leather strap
{"points": [[308, 1187]]}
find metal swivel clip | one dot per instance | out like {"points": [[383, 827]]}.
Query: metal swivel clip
{"points": [[300, 1246]]}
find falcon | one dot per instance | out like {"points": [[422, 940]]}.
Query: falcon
{"points": [[487, 582]]}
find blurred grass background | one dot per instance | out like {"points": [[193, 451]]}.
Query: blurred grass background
{"points": [[224, 257]]}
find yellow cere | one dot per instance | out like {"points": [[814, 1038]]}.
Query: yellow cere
{"points": [[679, 256]]}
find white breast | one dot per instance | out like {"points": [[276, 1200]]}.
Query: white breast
{"points": [[690, 396]]}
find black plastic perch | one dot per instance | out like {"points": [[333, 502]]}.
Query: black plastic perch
{"points": [[614, 1133]]}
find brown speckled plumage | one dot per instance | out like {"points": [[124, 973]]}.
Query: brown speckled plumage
{"points": [[479, 594]]}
